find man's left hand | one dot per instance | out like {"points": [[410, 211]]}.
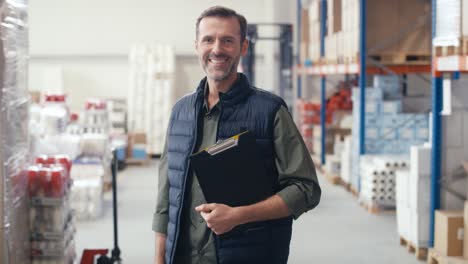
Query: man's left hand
{"points": [[219, 217]]}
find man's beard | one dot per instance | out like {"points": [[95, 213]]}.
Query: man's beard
{"points": [[215, 75]]}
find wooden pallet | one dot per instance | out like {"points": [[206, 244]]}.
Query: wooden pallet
{"points": [[333, 179], [353, 191], [373, 208], [139, 162], [107, 186], [461, 49], [401, 58], [420, 253], [435, 257]]}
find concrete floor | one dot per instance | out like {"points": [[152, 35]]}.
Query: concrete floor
{"points": [[337, 231]]}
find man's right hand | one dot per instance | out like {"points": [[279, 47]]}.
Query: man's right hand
{"points": [[160, 248]]}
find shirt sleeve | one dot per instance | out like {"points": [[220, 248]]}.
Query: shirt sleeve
{"points": [[299, 186], [161, 214]]}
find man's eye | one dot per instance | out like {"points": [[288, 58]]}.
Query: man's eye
{"points": [[229, 41]]}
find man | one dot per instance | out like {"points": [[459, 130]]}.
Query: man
{"points": [[187, 228]]}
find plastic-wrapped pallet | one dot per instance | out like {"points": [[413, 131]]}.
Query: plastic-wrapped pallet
{"points": [[413, 197], [377, 174], [86, 194], [346, 160], [451, 29], [51, 221], [151, 93], [14, 152]]}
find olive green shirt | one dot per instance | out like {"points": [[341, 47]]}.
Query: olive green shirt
{"points": [[300, 189]]}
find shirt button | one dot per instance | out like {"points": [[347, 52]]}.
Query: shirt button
{"points": [[201, 220]]}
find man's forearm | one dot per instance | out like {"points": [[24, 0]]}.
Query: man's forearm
{"points": [[160, 248], [272, 208]]}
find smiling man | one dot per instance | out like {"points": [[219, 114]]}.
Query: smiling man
{"points": [[187, 229]]}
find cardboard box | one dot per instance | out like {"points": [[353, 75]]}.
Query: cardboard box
{"points": [[449, 232]]}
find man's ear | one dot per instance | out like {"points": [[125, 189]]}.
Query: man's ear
{"points": [[245, 47]]}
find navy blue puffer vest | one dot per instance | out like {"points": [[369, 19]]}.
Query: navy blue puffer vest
{"points": [[243, 107]]}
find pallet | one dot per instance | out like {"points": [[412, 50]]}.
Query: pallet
{"points": [[401, 58], [373, 208], [435, 257], [461, 49], [107, 186], [353, 191], [139, 162], [333, 179], [420, 253]]}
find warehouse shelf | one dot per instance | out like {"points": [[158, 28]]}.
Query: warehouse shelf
{"points": [[354, 68], [438, 65]]}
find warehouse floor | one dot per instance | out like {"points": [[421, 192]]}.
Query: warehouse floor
{"points": [[337, 231]]}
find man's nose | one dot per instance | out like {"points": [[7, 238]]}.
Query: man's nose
{"points": [[217, 47]]}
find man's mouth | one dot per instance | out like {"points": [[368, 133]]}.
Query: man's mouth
{"points": [[218, 61]]}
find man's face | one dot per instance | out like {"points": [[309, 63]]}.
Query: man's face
{"points": [[219, 47]]}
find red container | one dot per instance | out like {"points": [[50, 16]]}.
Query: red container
{"points": [[56, 184], [65, 161], [33, 180], [41, 160], [51, 160], [43, 181]]}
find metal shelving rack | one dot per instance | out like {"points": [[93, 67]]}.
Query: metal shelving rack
{"points": [[361, 69], [439, 66]]}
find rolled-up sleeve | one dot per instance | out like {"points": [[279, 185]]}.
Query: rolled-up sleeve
{"points": [[299, 186], [160, 216]]}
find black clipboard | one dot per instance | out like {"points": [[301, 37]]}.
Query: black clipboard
{"points": [[231, 172]]}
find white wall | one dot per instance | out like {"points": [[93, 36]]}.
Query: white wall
{"points": [[90, 40]]}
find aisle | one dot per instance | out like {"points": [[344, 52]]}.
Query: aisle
{"points": [[338, 231]]}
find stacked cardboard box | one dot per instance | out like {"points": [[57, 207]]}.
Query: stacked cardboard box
{"points": [[388, 130], [406, 19]]}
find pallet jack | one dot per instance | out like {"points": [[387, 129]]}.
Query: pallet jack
{"points": [[89, 255]]}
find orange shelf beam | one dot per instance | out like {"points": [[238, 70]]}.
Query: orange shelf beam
{"points": [[334, 69]]}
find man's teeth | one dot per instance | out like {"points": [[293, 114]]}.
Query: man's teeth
{"points": [[218, 60]]}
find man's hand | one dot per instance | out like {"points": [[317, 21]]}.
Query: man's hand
{"points": [[219, 217], [160, 240]]}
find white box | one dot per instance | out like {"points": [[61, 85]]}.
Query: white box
{"points": [[420, 158], [406, 133], [419, 228], [452, 130], [391, 107], [389, 133], [402, 187], [419, 192], [372, 133], [403, 220]]}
